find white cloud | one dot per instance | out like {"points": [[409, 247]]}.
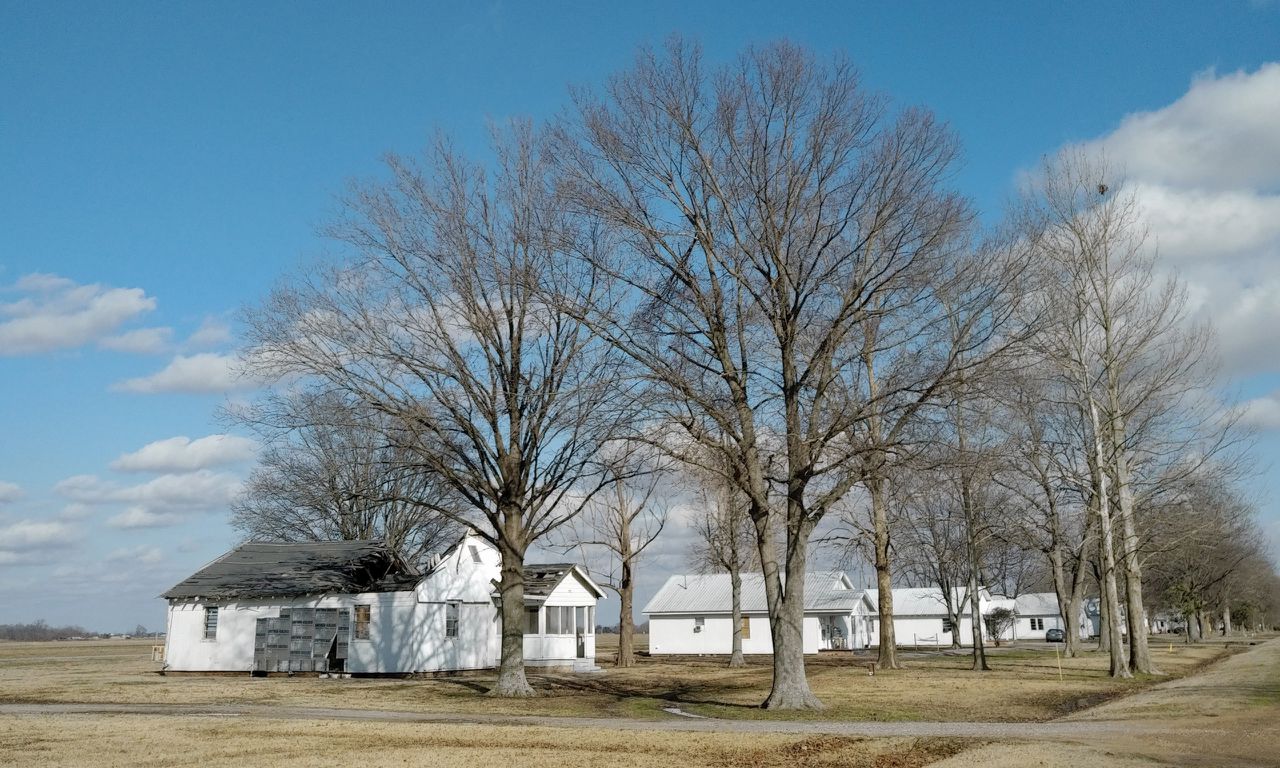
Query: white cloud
{"points": [[1207, 173], [198, 490], [26, 542], [1262, 413], [143, 341], [182, 454], [1220, 135], [141, 517], [57, 313], [206, 372], [211, 334], [140, 555], [9, 492]]}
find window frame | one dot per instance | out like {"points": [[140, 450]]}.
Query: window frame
{"points": [[699, 623], [454, 607], [210, 611], [362, 629]]}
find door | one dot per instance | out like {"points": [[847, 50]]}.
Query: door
{"points": [[580, 623]]}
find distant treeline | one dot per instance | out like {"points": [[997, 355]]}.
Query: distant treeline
{"points": [[40, 630]]}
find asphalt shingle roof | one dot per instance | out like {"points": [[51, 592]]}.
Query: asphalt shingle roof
{"points": [[1037, 604], [259, 569]]}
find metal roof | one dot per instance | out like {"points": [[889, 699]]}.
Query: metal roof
{"points": [[925, 601], [1037, 604], [260, 569], [713, 593]]}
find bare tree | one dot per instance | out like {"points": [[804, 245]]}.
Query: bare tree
{"points": [[783, 229], [328, 472], [449, 318], [1142, 369], [725, 542], [615, 530]]}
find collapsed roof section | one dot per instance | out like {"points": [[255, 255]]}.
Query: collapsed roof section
{"points": [[265, 570]]}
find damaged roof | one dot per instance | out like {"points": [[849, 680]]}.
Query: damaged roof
{"points": [[540, 580], [260, 569]]}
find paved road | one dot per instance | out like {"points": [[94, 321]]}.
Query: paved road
{"points": [[1051, 730]]}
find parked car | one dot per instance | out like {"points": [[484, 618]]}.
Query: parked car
{"points": [[1054, 635]]}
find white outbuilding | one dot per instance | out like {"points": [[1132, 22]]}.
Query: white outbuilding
{"points": [[356, 607], [920, 616], [692, 614], [1038, 613]]}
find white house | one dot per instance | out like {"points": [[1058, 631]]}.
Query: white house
{"points": [[920, 616], [692, 614], [354, 606], [1038, 613]]}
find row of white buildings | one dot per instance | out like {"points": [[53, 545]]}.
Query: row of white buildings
{"points": [[692, 614], [355, 607]]}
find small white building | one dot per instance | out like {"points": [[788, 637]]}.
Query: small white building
{"points": [[920, 616], [356, 607], [692, 614], [1038, 613]]}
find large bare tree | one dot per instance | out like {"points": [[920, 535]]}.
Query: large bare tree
{"points": [[780, 224], [447, 315]]}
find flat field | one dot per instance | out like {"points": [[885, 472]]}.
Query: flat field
{"points": [[1024, 685], [1024, 688]]}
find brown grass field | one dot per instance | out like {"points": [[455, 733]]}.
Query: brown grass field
{"points": [[1025, 686]]}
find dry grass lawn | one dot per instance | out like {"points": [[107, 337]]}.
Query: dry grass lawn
{"points": [[1024, 686], [139, 741]]}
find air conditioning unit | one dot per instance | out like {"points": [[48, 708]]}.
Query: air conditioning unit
{"points": [[697, 629]]}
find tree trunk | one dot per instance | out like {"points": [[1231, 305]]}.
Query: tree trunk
{"points": [[1102, 499], [511, 678], [786, 623], [626, 620], [887, 656], [735, 585], [1135, 615], [971, 547], [1226, 617], [1064, 599]]}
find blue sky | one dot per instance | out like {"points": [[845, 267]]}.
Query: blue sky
{"points": [[169, 162]]}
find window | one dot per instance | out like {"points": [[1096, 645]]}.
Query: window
{"points": [[553, 620], [211, 623], [947, 626], [475, 553], [566, 619], [451, 619], [580, 615], [531, 621], [362, 622], [591, 619], [1037, 624], [746, 627], [698, 623]]}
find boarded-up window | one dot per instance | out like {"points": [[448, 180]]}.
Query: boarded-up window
{"points": [[363, 619], [531, 621], [211, 623], [746, 627], [451, 619], [553, 620]]}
